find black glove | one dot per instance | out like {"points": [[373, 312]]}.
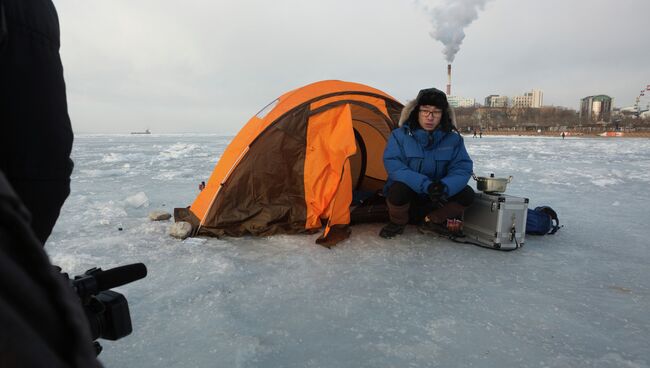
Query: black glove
{"points": [[436, 191]]}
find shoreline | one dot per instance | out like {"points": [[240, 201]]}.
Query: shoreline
{"points": [[569, 134]]}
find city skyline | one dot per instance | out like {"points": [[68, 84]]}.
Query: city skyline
{"points": [[642, 104]]}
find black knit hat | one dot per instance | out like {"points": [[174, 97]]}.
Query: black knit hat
{"points": [[432, 97]]}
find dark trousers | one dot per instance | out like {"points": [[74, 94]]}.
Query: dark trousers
{"points": [[400, 194]]}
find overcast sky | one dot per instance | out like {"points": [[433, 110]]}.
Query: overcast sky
{"points": [[208, 66]]}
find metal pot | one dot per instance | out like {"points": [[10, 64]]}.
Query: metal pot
{"points": [[491, 184]]}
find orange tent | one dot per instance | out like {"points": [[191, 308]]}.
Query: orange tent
{"points": [[294, 165]]}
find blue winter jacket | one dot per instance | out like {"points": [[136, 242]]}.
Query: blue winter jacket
{"points": [[416, 158]]}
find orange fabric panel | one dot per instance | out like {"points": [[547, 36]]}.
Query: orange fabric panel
{"points": [[378, 102], [339, 210], [329, 143]]}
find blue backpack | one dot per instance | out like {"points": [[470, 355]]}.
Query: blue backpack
{"points": [[541, 221]]}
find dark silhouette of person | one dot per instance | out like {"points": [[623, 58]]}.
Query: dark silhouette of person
{"points": [[42, 323], [37, 137]]}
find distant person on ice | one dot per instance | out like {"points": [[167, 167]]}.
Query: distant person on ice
{"points": [[202, 186], [428, 167]]}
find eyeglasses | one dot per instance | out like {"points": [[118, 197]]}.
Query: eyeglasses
{"points": [[428, 113]]}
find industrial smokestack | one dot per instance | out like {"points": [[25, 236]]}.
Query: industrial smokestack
{"points": [[448, 79]]}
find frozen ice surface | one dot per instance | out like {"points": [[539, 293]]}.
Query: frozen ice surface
{"points": [[579, 298]]}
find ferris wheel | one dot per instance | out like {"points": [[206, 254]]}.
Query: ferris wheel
{"points": [[638, 105]]}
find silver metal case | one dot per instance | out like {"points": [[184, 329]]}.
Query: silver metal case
{"points": [[496, 221]]}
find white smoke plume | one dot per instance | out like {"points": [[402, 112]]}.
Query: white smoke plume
{"points": [[449, 20]]}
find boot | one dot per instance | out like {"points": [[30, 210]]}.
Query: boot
{"points": [[448, 210], [391, 230], [399, 217], [431, 228], [435, 222]]}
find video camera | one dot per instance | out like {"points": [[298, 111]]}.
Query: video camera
{"points": [[107, 311]]}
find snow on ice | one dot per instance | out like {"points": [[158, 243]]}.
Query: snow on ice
{"points": [[579, 298]]}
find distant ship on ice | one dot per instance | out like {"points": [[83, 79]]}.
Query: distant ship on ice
{"points": [[145, 132]]}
